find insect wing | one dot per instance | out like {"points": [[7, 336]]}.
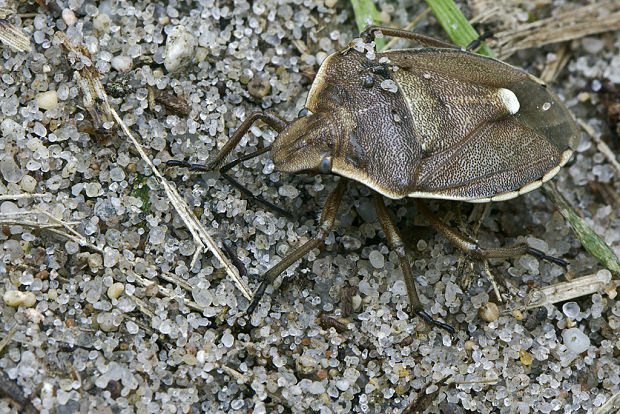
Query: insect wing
{"points": [[487, 130]]}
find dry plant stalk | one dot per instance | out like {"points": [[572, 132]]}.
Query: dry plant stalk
{"points": [[564, 291], [574, 24], [30, 219], [89, 81], [13, 36], [611, 406], [601, 145]]}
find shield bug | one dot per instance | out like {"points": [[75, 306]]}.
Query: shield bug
{"points": [[437, 122]]}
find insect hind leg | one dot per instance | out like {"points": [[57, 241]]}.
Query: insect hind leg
{"points": [[396, 244], [471, 247]]}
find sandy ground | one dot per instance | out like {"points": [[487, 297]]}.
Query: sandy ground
{"points": [[109, 307]]}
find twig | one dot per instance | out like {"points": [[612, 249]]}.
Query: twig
{"points": [[611, 406], [4, 341], [601, 145], [7, 219], [21, 196], [93, 88], [166, 292], [574, 24], [563, 291]]}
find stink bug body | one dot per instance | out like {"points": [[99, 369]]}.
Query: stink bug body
{"points": [[436, 122]]}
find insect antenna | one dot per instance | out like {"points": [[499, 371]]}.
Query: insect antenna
{"points": [[244, 190], [223, 171]]}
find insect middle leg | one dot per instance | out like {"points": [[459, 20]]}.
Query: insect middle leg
{"points": [[328, 217], [396, 244]]}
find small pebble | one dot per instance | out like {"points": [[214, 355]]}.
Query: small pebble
{"points": [[518, 314], [306, 365], [611, 290], [525, 357], [69, 17], [116, 290], [489, 311], [101, 22], [9, 169], [469, 345], [259, 86], [16, 298], [93, 189], [377, 260], [47, 100], [541, 314], [122, 63], [575, 340], [28, 183], [151, 290], [12, 130], [228, 339], [179, 48], [34, 316], [95, 261], [571, 310], [189, 359]]}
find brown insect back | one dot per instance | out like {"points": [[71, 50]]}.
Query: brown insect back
{"points": [[426, 123], [455, 125]]}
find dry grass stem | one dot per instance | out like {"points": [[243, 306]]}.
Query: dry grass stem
{"points": [[95, 92], [574, 24], [563, 291]]}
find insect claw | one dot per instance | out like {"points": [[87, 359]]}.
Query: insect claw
{"points": [[228, 251], [541, 255], [476, 43], [427, 318], [252, 306], [257, 297]]}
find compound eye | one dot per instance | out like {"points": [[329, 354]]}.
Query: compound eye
{"points": [[303, 112], [325, 166]]}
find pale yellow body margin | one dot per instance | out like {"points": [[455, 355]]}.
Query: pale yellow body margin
{"points": [[345, 170]]}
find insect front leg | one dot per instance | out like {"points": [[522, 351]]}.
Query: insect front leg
{"points": [[274, 121], [396, 244], [472, 247], [328, 217]]}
